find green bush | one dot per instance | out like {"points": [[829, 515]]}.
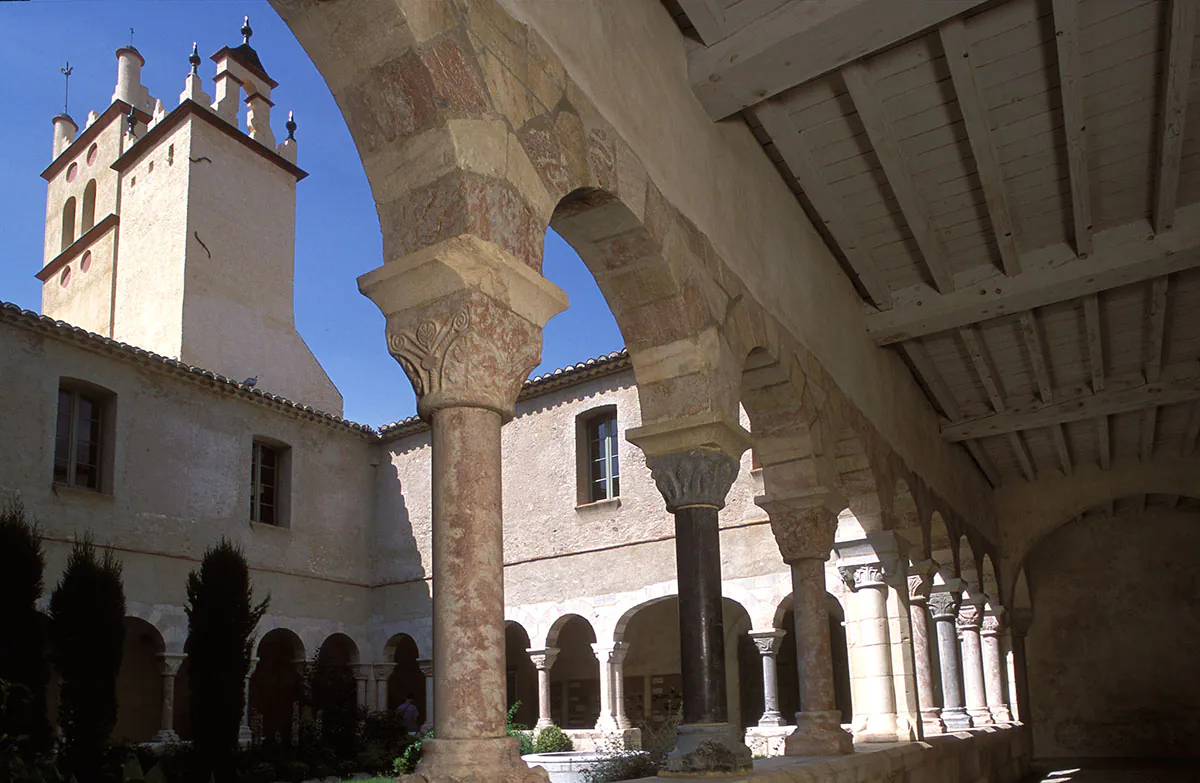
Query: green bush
{"points": [[222, 617], [87, 629], [23, 656], [623, 765], [406, 763], [552, 739], [518, 730]]}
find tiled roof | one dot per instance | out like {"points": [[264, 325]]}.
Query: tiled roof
{"points": [[565, 377]]}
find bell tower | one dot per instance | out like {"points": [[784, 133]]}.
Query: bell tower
{"points": [[175, 231]]}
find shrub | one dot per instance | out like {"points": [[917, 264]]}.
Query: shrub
{"points": [[518, 730], [87, 628], [552, 739], [23, 656], [622, 765], [406, 763], [222, 617], [331, 690]]}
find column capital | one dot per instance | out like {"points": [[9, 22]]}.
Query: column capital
{"points": [[767, 642], [920, 580], [804, 525], [426, 666], [695, 477], [993, 624], [969, 616], [172, 661], [1019, 621], [611, 653], [857, 577], [382, 671], [464, 319], [943, 605], [361, 671], [543, 658]]}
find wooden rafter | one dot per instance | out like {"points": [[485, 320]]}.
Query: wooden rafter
{"points": [[1023, 458], [1177, 75], [708, 17], [1124, 255], [925, 367], [790, 143], [861, 87], [1059, 436], [984, 461], [1095, 340], [1149, 425], [1158, 328], [1070, 80], [1192, 433], [1180, 384], [1032, 336], [979, 134], [983, 367], [1139, 501], [1104, 442]]}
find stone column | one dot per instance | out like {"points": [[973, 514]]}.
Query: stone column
{"points": [[244, 735], [970, 617], [620, 650], [464, 319], [768, 643], [543, 661], [943, 606], [694, 467], [804, 528], [993, 674], [1019, 622], [919, 585], [382, 673], [426, 666], [171, 664], [362, 682], [875, 707]]}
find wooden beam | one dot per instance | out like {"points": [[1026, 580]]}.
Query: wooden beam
{"points": [[791, 145], [1171, 501], [1059, 436], [1124, 255], [1070, 80], [708, 17], [1103, 442], [1179, 384], [1037, 354], [1158, 328], [1140, 503], [1095, 340], [1177, 75], [1192, 433], [1149, 424], [979, 133], [800, 41], [985, 462], [983, 366], [861, 87], [928, 371], [1026, 462]]}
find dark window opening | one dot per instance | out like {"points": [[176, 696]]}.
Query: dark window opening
{"points": [[603, 469], [79, 439]]}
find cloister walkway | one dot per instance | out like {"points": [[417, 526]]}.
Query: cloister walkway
{"points": [[1115, 771]]}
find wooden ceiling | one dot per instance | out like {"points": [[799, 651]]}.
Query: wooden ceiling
{"points": [[1013, 187]]}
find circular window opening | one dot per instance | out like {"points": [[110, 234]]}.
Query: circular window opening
{"points": [[92, 153], [72, 172], [65, 277], [86, 263]]}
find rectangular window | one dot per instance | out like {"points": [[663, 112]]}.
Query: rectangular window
{"points": [[604, 471], [264, 484], [78, 439]]}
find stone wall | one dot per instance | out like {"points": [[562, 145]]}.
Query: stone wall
{"points": [[1112, 667]]}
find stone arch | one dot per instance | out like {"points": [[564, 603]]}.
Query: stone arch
{"points": [[68, 223], [789, 689], [342, 650], [393, 643], [140, 682], [989, 583], [88, 217], [941, 548], [277, 682], [404, 678], [522, 683], [968, 563], [575, 675]]}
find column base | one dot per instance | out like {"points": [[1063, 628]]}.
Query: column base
{"points": [[426, 727], [876, 728], [767, 740], [819, 734], [1001, 715], [709, 750], [168, 735], [543, 723], [244, 735], [491, 760], [771, 719], [981, 716], [956, 719], [931, 722]]}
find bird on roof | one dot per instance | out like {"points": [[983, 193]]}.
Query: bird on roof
{"points": [[250, 382]]}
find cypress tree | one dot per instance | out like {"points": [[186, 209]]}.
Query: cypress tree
{"points": [[24, 660], [87, 631], [222, 618]]}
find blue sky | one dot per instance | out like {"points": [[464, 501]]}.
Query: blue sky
{"points": [[338, 235]]}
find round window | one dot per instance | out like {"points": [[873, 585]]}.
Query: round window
{"points": [[72, 172], [65, 277], [86, 263], [91, 156]]}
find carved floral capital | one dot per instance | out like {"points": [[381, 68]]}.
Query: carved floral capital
{"points": [[767, 642], [804, 530], [943, 606], [857, 577], [695, 477], [426, 667], [969, 617], [543, 659]]}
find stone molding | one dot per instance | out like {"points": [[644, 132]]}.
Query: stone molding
{"points": [[543, 658], [695, 477], [767, 642], [944, 606], [426, 666]]}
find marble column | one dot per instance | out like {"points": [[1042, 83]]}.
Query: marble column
{"points": [[426, 667], [875, 703], [694, 482], [1018, 624], [970, 617], [382, 673], [804, 533], [612, 687], [919, 585], [244, 734], [171, 664], [768, 643], [620, 650], [464, 320], [993, 673], [543, 661], [362, 683], [943, 607]]}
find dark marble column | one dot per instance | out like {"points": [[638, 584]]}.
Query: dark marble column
{"points": [[943, 606]]}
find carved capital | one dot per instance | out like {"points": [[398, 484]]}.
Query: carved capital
{"points": [[171, 663], [920, 580], [804, 527], [767, 642], [857, 577], [991, 625], [969, 617], [695, 477], [543, 659], [361, 671], [382, 671], [943, 606], [426, 667]]}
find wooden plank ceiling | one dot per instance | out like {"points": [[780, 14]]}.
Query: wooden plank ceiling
{"points": [[1014, 188]]}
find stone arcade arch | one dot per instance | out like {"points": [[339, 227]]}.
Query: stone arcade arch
{"points": [[140, 683], [789, 692], [405, 677], [575, 675], [277, 683], [522, 683]]}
